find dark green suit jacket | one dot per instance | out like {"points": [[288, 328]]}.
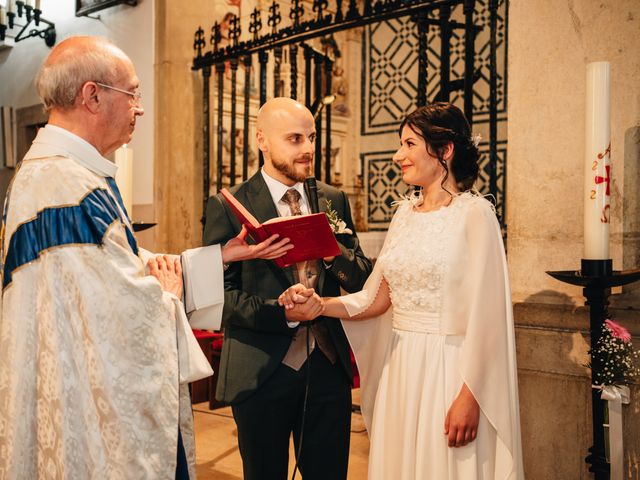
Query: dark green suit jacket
{"points": [[256, 334]]}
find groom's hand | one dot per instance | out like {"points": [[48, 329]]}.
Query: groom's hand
{"points": [[304, 312], [297, 293], [237, 249]]}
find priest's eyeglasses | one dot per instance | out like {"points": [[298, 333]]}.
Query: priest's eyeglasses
{"points": [[136, 94]]}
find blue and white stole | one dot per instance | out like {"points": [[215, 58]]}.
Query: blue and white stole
{"points": [[82, 224]]}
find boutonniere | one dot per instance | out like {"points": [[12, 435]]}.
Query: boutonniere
{"points": [[338, 226]]}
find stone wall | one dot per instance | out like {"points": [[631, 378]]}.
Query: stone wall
{"points": [[178, 139], [550, 44], [555, 391]]}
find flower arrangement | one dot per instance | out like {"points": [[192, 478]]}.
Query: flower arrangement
{"points": [[615, 356], [338, 226]]}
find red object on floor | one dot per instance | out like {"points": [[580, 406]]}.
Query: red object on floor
{"points": [[205, 334], [214, 338], [208, 341], [354, 369]]}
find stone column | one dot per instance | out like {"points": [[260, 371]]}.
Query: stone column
{"points": [[178, 122]]}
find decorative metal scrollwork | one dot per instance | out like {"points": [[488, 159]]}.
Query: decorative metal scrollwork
{"points": [[216, 37], [234, 30], [296, 12], [319, 6], [256, 23], [301, 27], [199, 42], [274, 17], [414, 22]]}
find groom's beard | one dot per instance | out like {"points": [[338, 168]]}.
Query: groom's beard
{"points": [[295, 170]]}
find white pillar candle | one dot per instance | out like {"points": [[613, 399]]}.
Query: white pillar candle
{"points": [[124, 176], [37, 4], [3, 16], [11, 7], [597, 166]]}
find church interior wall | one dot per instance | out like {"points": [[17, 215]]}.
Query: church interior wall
{"points": [[132, 29], [550, 44], [179, 128]]}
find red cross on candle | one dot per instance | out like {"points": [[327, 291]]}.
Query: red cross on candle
{"points": [[606, 179]]}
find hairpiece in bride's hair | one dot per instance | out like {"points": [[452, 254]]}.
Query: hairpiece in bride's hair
{"points": [[475, 139]]}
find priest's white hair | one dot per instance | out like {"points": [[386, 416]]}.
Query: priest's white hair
{"points": [[71, 64]]}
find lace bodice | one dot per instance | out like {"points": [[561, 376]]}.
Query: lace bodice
{"points": [[414, 261]]}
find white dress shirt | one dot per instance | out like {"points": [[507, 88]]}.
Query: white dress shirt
{"points": [[277, 190]]}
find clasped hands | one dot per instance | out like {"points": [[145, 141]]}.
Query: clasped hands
{"points": [[301, 304]]}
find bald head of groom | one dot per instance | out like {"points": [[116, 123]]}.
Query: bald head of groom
{"points": [[286, 136]]}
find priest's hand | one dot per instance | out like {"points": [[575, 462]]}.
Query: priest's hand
{"points": [[304, 312], [461, 422], [237, 249], [168, 271], [297, 293]]}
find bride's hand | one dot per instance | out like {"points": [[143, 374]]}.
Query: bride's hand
{"points": [[461, 423], [297, 293]]}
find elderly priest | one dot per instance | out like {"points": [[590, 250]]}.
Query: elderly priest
{"points": [[90, 384]]}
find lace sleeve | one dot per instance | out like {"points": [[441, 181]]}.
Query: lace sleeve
{"points": [[359, 302]]}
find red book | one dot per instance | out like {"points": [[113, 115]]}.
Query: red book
{"points": [[310, 235]]}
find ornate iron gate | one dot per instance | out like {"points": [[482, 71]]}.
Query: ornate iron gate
{"points": [[443, 41]]}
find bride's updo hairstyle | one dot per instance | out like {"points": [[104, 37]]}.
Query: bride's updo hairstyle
{"points": [[438, 124]]}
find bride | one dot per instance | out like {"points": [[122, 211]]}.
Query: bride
{"points": [[434, 340]]}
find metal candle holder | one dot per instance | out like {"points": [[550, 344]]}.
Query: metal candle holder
{"points": [[597, 277], [43, 27]]}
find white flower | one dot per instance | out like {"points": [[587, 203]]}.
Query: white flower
{"points": [[341, 227], [338, 226]]}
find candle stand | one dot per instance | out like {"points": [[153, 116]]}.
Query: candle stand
{"points": [[141, 226], [597, 277]]}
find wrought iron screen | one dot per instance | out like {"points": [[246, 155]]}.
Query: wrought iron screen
{"points": [[413, 52], [390, 79]]}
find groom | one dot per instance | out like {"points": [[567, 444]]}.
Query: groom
{"points": [[264, 366]]}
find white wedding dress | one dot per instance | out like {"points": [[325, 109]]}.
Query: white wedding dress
{"points": [[450, 323]]}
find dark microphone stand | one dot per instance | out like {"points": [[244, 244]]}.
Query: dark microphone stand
{"points": [[311, 190]]}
